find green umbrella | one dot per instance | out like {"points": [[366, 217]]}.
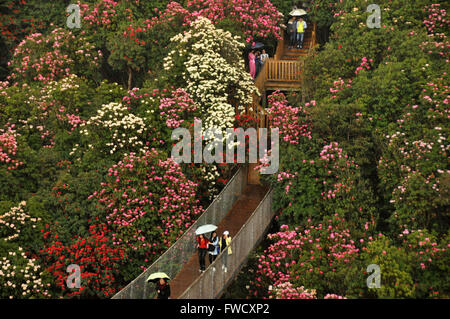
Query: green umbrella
{"points": [[156, 276]]}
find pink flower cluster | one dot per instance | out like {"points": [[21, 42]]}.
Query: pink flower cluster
{"points": [[339, 85], [162, 204], [287, 119], [101, 14], [46, 58], [437, 24], [8, 146], [258, 18], [335, 162], [175, 107], [297, 255], [364, 65]]}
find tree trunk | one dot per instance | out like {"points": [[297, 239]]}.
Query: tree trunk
{"points": [[130, 77]]}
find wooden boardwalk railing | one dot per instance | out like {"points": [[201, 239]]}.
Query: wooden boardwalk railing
{"points": [[277, 74]]}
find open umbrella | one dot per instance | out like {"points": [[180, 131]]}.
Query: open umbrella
{"points": [[205, 229], [156, 276], [298, 13], [257, 45]]}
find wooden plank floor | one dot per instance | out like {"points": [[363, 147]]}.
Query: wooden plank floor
{"points": [[233, 221]]}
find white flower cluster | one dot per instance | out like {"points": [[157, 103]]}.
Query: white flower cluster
{"points": [[67, 83], [124, 130], [13, 219], [20, 276], [215, 74]]}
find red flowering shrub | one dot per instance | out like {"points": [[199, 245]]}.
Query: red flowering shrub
{"points": [[98, 260]]}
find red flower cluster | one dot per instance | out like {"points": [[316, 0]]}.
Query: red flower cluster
{"points": [[98, 261]]}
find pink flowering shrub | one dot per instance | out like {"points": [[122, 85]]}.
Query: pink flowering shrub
{"points": [[437, 25], [148, 203], [257, 19], [45, 58], [286, 290], [8, 147], [317, 257], [287, 118], [174, 108], [414, 167]]}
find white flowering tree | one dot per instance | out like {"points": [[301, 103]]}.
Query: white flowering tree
{"points": [[208, 62], [20, 274], [114, 129]]}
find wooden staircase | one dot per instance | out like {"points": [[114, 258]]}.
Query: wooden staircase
{"points": [[282, 72]]}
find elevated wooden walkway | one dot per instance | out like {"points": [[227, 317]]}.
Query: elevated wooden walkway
{"points": [[244, 207]]}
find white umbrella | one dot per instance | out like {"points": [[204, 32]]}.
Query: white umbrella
{"points": [[157, 275], [298, 13], [205, 229]]}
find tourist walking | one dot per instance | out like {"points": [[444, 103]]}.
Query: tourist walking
{"points": [[213, 248], [225, 242], [301, 26], [202, 246], [163, 289], [251, 63], [292, 31]]}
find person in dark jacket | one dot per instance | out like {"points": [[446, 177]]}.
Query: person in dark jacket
{"points": [[202, 246], [257, 63], [214, 241], [292, 31], [163, 289]]}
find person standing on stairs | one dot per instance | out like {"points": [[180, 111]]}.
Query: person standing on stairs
{"points": [[257, 63], [292, 32], [264, 57], [301, 27], [213, 248], [225, 242], [251, 63], [202, 246]]}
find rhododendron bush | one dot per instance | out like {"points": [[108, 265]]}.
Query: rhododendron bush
{"points": [[318, 258], [208, 64], [97, 258], [148, 203], [44, 58], [257, 19], [21, 273]]}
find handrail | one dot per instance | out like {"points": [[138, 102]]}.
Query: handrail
{"points": [[283, 70], [214, 280], [183, 248]]}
